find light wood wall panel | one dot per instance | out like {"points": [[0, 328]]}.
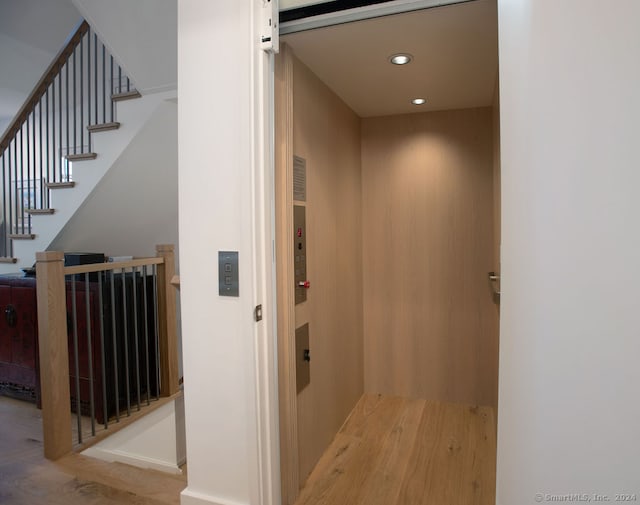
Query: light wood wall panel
{"points": [[429, 322], [327, 134]]}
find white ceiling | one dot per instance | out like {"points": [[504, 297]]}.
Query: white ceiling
{"points": [[41, 24], [455, 64], [31, 33]]}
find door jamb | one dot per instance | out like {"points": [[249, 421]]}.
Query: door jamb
{"points": [[287, 396]]}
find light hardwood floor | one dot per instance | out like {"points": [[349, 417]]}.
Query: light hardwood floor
{"points": [[399, 451], [27, 478]]}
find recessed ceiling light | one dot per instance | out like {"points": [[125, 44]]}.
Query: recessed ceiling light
{"points": [[418, 101], [400, 58]]}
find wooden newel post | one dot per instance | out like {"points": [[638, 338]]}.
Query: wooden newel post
{"points": [[54, 356], [167, 324]]}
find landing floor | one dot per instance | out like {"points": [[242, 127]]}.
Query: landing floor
{"points": [[27, 478]]}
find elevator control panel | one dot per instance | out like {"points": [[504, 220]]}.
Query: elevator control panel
{"points": [[303, 358], [228, 278], [300, 254]]}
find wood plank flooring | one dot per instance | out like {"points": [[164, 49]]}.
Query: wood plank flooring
{"points": [[398, 451], [27, 478]]}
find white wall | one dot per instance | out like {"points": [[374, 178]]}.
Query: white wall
{"points": [[135, 206], [155, 441], [142, 37], [569, 404], [221, 197]]}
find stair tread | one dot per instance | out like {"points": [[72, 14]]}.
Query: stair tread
{"points": [[126, 95], [81, 156], [39, 211], [60, 185], [22, 236], [101, 127], [8, 259]]}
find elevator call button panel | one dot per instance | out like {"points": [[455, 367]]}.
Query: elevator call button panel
{"points": [[228, 278], [300, 253]]}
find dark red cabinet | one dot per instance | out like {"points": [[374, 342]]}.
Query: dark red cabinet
{"points": [[5, 333], [19, 354], [87, 334], [19, 375], [122, 365]]}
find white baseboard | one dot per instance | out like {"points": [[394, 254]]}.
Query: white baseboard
{"points": [[132, 459], [188, 497]]}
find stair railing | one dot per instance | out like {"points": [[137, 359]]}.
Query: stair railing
{"points": [[107, 338], [53, 128]]}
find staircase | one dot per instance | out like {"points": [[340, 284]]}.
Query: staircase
{"points": [[81, 115], [84, 119]]}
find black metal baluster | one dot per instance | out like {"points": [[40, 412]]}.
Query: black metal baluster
{"points": [[104, 85], [81, 82], [48, 157], [53, 130], [59, 156], [76, 359], [21, 196], [126, 340], [111, 89], [33, 169], [102, 355], [28, 181], [5, 236], [135, 333], [95, 76], [31, 146], [114, 338], [156, 336], [87, 301], [42, 206], [74, 107], [9, 200], [88, 90], [66, 105], [15, 187], [146, 331], [8, 203]]}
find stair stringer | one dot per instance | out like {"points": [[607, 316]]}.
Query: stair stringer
{"points": [[109, 145]]}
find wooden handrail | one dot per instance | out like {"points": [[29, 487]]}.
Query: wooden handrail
{"points": [[117, 265], [39, 90]]}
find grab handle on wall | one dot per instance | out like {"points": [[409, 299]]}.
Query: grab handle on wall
{"points": [[494, 281]]}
